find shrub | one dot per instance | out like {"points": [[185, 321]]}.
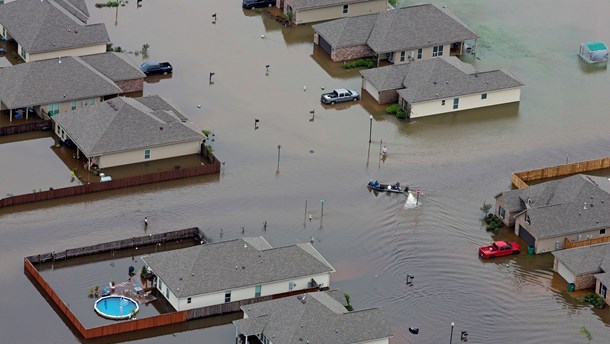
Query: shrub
{"points": [[370, 64], [393, 109], [485, 208], [493, 222], [595, 300], [401, 114]]}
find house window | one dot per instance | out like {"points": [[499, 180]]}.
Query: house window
{"points": [[24, 54], [402, 56], [160, 285], [73, 105], [257, 291], [527, 219], [291, 286], [502, 212], [456, 103], [167, 293], [437, 51], [53, 109], [484, 96], [602, 290], [227, 296], [345, 8], [83, 103], [420, 51], [92, 101], [442, 102], [147, 154], [602, 231], [188, 300]]}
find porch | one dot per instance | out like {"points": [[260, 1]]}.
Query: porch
{"points": [[465, 47]]}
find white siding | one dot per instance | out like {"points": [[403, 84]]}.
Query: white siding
{"points": [[156, 153], [565, 273], [426, 54], [90, 50], [467, 102], [378, 341], [334, 12], [370, 89]]}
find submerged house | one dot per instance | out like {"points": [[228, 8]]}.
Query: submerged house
{"points": [[44, 29], [440, 85], [400, 36], [552, 214], [49, 87], [319, 317], [308, 11], [123, 131], [237, 270]]}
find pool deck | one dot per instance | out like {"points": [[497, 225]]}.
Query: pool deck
{"points": [[130, 290]]}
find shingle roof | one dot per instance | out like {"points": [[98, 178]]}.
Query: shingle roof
{"points": [[124, 124], [584, 260], [41, 26], [448, 77], [401, 29], [116, 66], [309, 4], [604, 278], [316, 318], [233, 264], [77, 8], [512, 201], [48, 81]]}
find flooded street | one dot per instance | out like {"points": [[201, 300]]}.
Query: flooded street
{"points": [[457, 160]]}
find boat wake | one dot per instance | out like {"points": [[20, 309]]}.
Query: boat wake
{"points": [[411, 202]]}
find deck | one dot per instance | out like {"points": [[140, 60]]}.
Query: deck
{"points": [[133, 291]]}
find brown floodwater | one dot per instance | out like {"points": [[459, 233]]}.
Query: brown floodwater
{"points": [[458, 160]]}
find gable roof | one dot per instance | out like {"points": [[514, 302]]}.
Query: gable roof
{"points": [[48, 81], [124, 124], [116, 66], [586, 260], [444, 77], [313, 318], [310, 4], [400, 29], [233, 264], [49, 26]]}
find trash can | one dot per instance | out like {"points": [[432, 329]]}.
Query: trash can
{"points": [[530, 250], [571, 287]]}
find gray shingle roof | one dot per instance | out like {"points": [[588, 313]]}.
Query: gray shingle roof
{"points": [[584, 260], [124, 124], [77, 8], [558, 207], [604, 278], [212, 267], [48, 27], [48, 81], [447, 77], [512, 201], [319, 319], [401, 29], [116, 66], [309, 4]]}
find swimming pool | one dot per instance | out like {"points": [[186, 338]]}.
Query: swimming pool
{"points": [[116, 307]]}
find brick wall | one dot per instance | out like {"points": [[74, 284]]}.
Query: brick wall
{"points": [[351, 53], [584, 282], [133, 85], [388, 97]]}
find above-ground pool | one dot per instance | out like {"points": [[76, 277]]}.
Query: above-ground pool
{"points": [[116, 307]]}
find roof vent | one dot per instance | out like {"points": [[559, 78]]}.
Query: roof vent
{"points": [[180, 278], [69, 30], [246, 246], [447, 82], [160, 128], [243, 267], [235, 267], [437, 94], [75, 31], [602, 201], [192, 275], [579, 213], [429, 41], [434, 82]]}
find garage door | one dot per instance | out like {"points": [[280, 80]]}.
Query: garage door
{"points": [[371, 90], [526, 236], [325, 45]]}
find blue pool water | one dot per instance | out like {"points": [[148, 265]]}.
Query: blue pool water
{"points": [[115, 307]]}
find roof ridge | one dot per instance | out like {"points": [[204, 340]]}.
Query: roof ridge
{"points": [[107, 123], [97, 72]]}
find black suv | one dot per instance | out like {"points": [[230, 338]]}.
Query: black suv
{"points": [[257, 3]]}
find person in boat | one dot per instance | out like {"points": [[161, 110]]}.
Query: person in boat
{"points": [[371, 183], [377, 184], [397, 186]]}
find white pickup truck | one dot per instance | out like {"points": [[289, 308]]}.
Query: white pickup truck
{"points": [[339, 95]]}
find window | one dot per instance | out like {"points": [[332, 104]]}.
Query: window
{"points": [[456, 102], [402, 56], [602, 231], [291, 286], [437, 51], [160, 285], [53, 109], [484, 96], [527, 219], [188, 300], [420, 51], [167, 293], [345, 8], [257, 291], [24, 54], [227, 296], [602, 290], [502, 212], [147, 154], [442, 102], [73, 105], [83, 103], [92, 101]]}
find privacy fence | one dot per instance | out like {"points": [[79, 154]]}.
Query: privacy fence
{"points": [[25, 128], [520, 179]]}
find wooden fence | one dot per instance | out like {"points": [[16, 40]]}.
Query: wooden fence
{"points": [[46, 195], [567, 243], [25, 128], [520, 179]]}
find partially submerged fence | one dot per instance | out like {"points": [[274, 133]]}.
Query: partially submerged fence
{"points": [[520, 179], [567, 243], [25, 128]]}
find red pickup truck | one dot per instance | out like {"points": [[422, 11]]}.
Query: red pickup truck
{"points": [[498, 249]]}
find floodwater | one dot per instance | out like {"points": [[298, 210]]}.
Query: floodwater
{"points": [[458, 161]]}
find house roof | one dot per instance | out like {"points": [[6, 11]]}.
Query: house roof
{"points": [[310, 4], [233, 264], [585, 260], [604, 278], [512, 201], [116, 66], [313, 318], [400, 29], [49, 26], [571, 205], [48, 81], [124, 124], [78, 8], [448, 77]]}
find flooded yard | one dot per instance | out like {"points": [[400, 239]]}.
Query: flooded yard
{"points": [[457, 160]]}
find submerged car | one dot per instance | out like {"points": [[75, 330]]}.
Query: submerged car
{"points": [[257, 3], [499, 249]]}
